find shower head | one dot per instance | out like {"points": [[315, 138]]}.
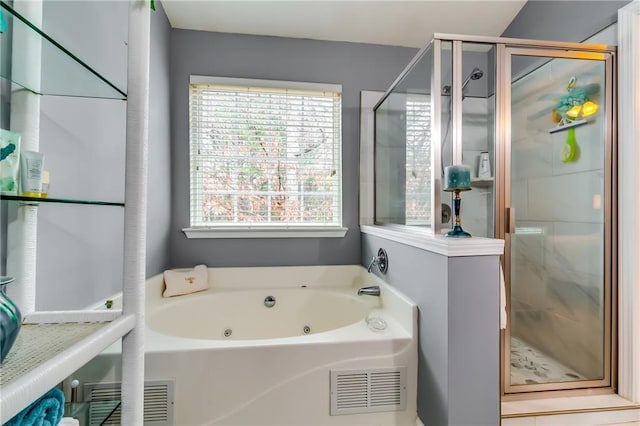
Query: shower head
{"points": [[475, 74]]}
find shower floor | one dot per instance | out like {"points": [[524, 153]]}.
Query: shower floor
{"points": [[530, 366]]}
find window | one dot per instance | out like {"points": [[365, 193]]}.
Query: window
{"points": [[264, 155], [418, 173]]}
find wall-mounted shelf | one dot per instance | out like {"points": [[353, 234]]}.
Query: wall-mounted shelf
{"points": [[63, 73], [36, 200], [566, 125]]}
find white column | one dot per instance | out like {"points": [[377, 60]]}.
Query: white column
{"points": [[135, 211], [629, 201], [25, 119]]}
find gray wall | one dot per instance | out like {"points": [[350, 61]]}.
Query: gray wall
{"points": [[458, 354], [563, 20], [356, 66], [159, 172], [573, 21]]}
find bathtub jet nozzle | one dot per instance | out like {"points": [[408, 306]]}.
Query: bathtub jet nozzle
{"points": [[269, 301]]}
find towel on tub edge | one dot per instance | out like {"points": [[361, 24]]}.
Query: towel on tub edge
{"points": [[185, 281]]}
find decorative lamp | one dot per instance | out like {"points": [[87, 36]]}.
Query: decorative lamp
{"points": [[574, 112], [583, 110], [457, 179], [573, 107]]}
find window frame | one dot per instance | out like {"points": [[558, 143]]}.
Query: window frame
{"points": [[267, 230]]}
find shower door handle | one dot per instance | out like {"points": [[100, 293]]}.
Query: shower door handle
{"points": [[510, 220]]}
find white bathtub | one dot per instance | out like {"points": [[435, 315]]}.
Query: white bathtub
{"points": [[242, 314], [237, 362]]}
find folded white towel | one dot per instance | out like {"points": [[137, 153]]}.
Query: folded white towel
{"points": [[68, 421], [185, 281], [503, 301]]}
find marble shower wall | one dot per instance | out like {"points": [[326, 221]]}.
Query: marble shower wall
{"points": [[557, 281], [477, 136]]}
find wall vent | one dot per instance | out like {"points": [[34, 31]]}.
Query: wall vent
{"points": [[368, 391], [158, 402]]}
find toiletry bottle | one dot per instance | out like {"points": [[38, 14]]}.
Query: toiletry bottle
{"points": [[484, 168], [31, 173]]}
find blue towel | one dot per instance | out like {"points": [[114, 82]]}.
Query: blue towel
{"points": [[45, 411]]}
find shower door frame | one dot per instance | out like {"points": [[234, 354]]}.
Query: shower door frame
{"points": [[505, 215]]}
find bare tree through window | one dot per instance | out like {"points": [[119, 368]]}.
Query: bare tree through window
{"points": [[263, 156]]}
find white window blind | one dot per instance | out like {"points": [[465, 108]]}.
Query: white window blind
{"points": [[418, 172], [264, 155]]}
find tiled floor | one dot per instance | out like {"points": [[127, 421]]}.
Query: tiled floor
{"points": [[609, 410], [530, 366], [612, 418]]}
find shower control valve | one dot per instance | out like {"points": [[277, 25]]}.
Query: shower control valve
{"points": [[381, 260]]}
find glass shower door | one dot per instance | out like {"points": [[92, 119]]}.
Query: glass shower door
{"points": [[558, 221]]}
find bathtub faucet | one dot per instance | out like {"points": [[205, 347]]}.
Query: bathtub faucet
{"points": [[374, 290]]}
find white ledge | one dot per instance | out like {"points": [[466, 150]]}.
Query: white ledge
{"points": [[45, 317], [451, 247], [267, 232]]}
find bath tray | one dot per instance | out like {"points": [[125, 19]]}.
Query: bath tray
{"points": [[48, 350], [37, 343]]}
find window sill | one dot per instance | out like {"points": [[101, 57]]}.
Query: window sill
{"points": [[267, 232], [425, 240]]}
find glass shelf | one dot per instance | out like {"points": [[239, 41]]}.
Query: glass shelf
{"points": [[61, 72], [91, 413], [482, 182], [36, 200]]}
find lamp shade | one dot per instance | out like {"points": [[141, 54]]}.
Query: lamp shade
{"points": [[574, 111], [589, 108]]}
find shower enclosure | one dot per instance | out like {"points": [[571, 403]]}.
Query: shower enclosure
{"points": [[543, 115]]}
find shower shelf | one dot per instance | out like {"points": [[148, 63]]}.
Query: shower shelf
{"points": [[482, 182]]}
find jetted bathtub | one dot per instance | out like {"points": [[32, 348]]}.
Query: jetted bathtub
{"points": [[280, 346]]}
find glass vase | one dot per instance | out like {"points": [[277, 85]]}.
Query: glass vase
{"points": [[10, 320]]}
